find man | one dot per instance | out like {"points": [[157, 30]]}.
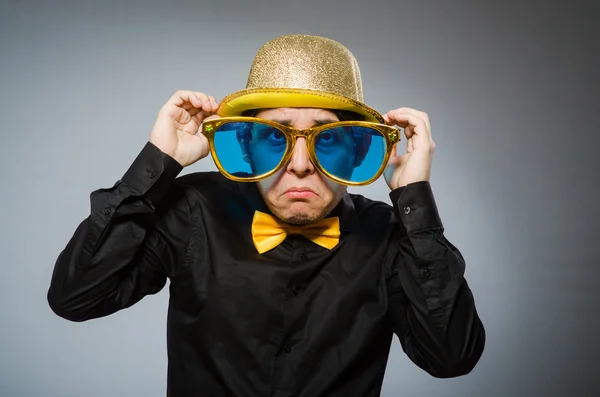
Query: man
{"points": [[281, 283]]}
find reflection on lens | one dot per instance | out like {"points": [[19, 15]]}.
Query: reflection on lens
{"points": [[350, 153], [248, 149]]}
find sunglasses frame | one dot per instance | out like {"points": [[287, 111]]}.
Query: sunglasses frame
{"points": [[391, 135]]}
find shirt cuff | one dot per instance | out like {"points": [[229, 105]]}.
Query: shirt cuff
{"points": [[152, 173], [415, 207]]}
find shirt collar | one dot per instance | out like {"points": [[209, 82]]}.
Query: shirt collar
{"points": [[346, 212]]}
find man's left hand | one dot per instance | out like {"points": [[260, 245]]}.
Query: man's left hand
{"points": [[415, 164]]}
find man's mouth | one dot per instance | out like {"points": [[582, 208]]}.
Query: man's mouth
{"points": [[300, 193]]}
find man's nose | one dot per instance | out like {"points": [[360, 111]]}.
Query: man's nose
{"points": [[300, 163]]}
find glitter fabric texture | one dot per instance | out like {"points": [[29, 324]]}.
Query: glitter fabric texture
{"points": [[301, 71], [307, 62]]}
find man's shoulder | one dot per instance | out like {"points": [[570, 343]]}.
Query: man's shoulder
{"points": [[207, 181], [365, 204], [370, 211]]}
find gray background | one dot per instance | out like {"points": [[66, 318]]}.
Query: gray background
{"points": [[512, 91]]}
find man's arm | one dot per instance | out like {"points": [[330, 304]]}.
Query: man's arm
{"points": [[127, 246], [431, 307]]}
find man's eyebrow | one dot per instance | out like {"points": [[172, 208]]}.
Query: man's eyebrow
{"points": [[283, 122], [324, 121], [316, 122]]}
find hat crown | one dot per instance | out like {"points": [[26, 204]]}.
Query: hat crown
{"points": [[306, 62]]}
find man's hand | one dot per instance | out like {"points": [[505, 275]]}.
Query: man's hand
{"points": [[415, 164], [176, 130]]}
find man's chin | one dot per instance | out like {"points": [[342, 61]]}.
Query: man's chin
{"points": [[300, 219], [299, 214]]}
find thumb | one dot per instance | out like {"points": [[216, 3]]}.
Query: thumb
{"points": [[398, 161], [212, 117], [396, 158], [401, 160], [209, 118]]}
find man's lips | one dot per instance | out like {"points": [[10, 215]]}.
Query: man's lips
{"points": [[300, 193]]}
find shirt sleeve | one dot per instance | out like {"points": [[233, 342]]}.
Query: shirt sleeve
{"points": [[431, 307], [128, 245]]}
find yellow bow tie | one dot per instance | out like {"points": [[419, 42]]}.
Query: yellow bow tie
{"points": [[268, 232]]}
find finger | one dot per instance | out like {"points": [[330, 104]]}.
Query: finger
{"points": [[178, 102], [403, 159], [212, 105], [193, 103], [396, 162], [408, 132], [417, 113], [191, 99], [417, 123], [215, 104], [398, 151], [193, 111], [177, 98], [391, 120], [201, 117], [182, 97], [198, 119], [204, 101], [409, 118], [207, 104], [212, 117]]}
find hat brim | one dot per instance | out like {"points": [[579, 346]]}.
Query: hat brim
{"points": [[268, 98]]}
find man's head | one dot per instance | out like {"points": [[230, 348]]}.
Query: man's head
{"points": [[300, 81]]}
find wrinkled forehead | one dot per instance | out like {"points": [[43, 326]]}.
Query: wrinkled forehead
{"points": [[297, 115]]}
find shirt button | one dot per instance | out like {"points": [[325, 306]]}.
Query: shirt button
{"points": [[107, 211], [152, 174], [304, 255], [295, 290], [407, 210], [287, 348], [427, 273]]}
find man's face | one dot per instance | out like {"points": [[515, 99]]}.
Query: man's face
{"points": [[298, 193]]}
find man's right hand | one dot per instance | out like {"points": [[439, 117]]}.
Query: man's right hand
{"points": [[176, 130]]}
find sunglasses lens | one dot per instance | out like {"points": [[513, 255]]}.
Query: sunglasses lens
{"points": [[351, 153], [249, 149]]}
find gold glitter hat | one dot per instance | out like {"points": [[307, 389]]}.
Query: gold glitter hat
{"points": [[301, 71]]}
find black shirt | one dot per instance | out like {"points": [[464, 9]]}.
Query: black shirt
{"points": [[299, 320]]}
